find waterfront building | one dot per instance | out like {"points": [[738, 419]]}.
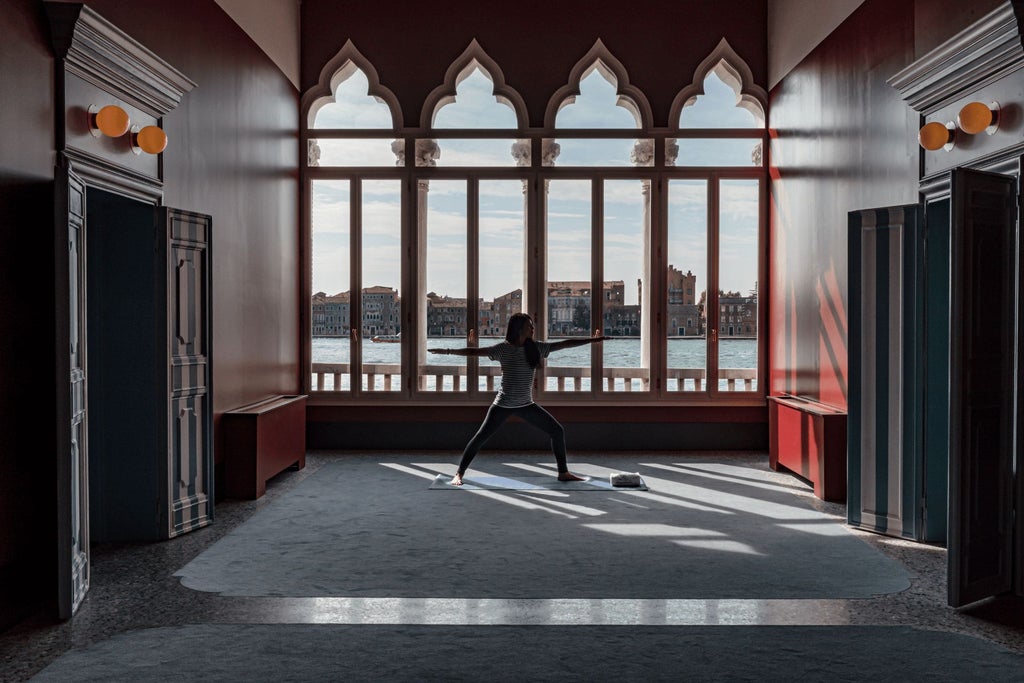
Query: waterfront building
{"points": [[737, 315], [332, 315]]}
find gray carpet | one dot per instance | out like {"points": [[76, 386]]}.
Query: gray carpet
{"points": [[527, 483], [364, 526], [230, 652]]}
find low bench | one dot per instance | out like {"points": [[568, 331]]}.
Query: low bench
{"points": [[261, 440], [809, 438]]}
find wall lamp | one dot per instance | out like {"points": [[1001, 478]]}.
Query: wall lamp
{"points": [[110, 120], [113, 122], [935, 135], [974, 118], [149, 139]]}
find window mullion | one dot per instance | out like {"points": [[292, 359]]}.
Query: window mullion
{"points": [[473, 279], [712, 312], [657, 326], [356, 287], [597, 283], [410, 293]]}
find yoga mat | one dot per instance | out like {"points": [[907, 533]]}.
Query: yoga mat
{"points": [[303, 652], [369, 526], [527, 483]]}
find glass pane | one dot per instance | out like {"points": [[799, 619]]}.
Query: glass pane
{"points": [[355, 152], [502, 266], [472, 152], [737, 272], [352, 105], [443, 269], [568, 281], [720, 107], [714, 152], [598, 104], [626, 273], [382, 281], [687, 285], [475, 105], [598, 152], [331, 269]]}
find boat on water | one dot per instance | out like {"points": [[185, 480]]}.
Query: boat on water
{"points": [[386, 338]]}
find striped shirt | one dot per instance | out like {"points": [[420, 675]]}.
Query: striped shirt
{"points": [[516, 374]]}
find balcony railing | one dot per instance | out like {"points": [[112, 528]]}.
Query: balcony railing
{"points": [[387, 377]]}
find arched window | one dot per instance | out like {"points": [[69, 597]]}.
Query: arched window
{"points": [[597, 228], [597, 220], [355, 227], [470, 223], [715, 220]]}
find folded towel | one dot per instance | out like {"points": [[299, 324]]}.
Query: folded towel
{"points": [[625, 479]]}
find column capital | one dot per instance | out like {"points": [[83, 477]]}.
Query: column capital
{"points": [[549, 151], [671, 151], [521, 152], [427, 152]]}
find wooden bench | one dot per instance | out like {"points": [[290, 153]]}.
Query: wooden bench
{"points": [[261, 440], [809, 438]]}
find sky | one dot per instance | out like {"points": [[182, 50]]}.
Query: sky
{"points": [[502, 201]]}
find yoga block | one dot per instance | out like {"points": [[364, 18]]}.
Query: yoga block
{"points": [[261, 440]]}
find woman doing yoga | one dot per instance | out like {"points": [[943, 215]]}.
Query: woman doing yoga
{"points": [[520, 356]]}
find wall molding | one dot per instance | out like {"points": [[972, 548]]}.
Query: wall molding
{"points": [[981, 54], [95, 50]]}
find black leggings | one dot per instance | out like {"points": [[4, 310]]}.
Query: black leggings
{"points": [[534, 415]]}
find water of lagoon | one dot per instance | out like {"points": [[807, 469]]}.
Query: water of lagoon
{"points": [[683, 352]]}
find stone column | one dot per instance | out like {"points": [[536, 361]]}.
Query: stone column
{"points": [[522, 155], [643, 155], [427, 153], [549, 154]]}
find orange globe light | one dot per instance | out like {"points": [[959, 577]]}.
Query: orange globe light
{"points": [[111, 120], [151, 140], [934, 135], [976, 117]]}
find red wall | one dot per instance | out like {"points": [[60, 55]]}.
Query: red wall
{"points": [[842, 139]]}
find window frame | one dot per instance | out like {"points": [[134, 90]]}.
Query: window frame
{"points": [[409, 176]]}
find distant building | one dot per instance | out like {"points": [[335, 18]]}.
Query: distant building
{"points": [[737, 315], [446, 316], [503, 309], [568, 311], [331, 315], [568, 307], [685, 315], [382, 314]]}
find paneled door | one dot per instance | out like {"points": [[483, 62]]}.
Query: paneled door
{"points": [[71, 417], [189, 496], [983, 285], [885, 352]]}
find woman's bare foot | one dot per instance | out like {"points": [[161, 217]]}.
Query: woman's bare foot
{"points": [[569, 476], [456, 480]]}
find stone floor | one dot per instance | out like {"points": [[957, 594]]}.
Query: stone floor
{"points": [[133, 587]]}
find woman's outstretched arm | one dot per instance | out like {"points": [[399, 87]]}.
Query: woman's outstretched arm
{"points": [[465, 351], [578, 341]]}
